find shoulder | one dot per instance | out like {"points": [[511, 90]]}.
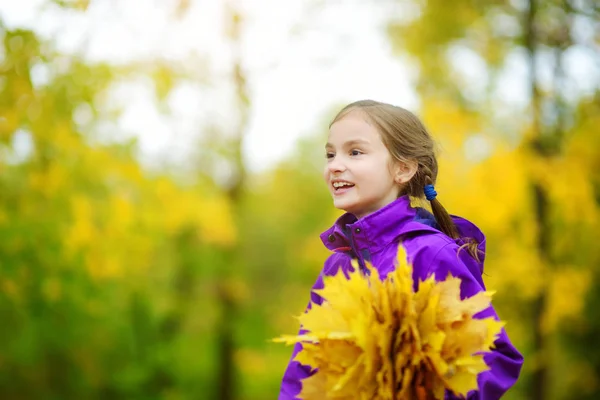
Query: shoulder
{"points": [[436, 253], [422, 248], [335, 261], [441, 256]]}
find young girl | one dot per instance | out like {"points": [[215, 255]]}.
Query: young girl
{"points": [[378, 156]]}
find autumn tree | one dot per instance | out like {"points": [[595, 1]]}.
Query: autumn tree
{"points": [[101, 259], [517, 153]]}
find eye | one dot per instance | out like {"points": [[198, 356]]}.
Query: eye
{"points": [[329, 155], [355, 152]]}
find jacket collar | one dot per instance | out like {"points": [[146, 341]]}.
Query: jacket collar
{"points": [[385, 225], [372, 231]]}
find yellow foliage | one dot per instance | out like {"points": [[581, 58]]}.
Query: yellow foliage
{"points": [[172, 204], [502, 188], [215, 218], [121, 214], [279, 315], [9, 122], [449, 124], [49, 181], [569, 187], [82, 231], [102, 266], [312, 251], [584, 145], [374, 339], [131, 172], [212, 217], [567, 292], [68, 140], [528, 282], [251, 361], [492, 192]]}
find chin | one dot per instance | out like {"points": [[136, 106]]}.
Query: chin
{"points": [[340, 205], [344, 206], [350, 204]]}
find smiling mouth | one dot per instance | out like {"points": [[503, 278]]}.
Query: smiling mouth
{"points": [[341, 186]]}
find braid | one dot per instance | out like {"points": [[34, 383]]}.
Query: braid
{"points": [[445, 221]]}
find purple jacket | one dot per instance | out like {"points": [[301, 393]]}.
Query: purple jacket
{"points": [[375, 238]]}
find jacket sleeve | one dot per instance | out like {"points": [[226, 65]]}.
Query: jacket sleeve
{"points": [[505, 361], [291, 385]]}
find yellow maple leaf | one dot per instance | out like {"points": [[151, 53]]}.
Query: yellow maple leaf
{"points": [[378, 339]]}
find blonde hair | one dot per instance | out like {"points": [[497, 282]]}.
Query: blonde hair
{"points": [[407, 139]]}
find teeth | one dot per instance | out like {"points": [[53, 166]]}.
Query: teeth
{"points": [[341, 184]]}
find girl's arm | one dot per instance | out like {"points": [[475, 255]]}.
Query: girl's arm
{"points": [[504, 361], [295, 372], [292, 379]]}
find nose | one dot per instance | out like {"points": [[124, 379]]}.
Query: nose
{"points": [[336, 165]]}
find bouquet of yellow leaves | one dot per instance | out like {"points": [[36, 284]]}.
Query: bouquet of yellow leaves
{"points": [[373, 339]]}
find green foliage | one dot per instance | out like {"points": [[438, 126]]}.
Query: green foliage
{"points": [[114, 282]]}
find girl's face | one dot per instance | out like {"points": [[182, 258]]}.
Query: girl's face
{"points": [[359, 172]]}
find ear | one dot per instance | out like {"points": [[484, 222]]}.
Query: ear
{"points": [[404, 171]]}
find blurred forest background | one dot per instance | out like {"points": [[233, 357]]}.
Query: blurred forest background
{"points": [[120, 281]]}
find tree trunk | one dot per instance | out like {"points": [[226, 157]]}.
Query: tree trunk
{"points": [[546, 142], [539, 378], [540, 374], [228, 306]]}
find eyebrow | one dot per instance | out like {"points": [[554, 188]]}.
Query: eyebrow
{"points": [[349, 143]]}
